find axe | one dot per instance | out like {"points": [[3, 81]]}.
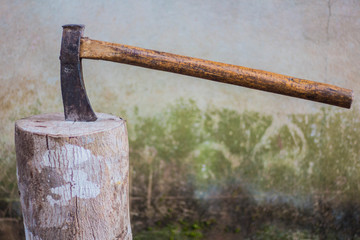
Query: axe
{"points": [[75, 47]]}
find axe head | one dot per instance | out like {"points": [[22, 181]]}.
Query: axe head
{"points": [[76, 103]]}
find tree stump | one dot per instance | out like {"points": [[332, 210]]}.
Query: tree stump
{"points": [[73, 177]]}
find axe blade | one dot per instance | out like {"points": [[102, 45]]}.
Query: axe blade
{"points": [[76, 103]]}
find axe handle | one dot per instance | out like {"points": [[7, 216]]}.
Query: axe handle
{"points": [[216, 71]]}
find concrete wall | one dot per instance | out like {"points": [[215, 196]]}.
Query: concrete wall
{"points": [[316, 40]]}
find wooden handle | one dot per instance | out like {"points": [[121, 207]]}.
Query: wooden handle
{"points": [[216, 71]]}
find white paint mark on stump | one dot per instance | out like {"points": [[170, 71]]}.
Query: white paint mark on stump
{"points": [[71, 155], [77, 182], [78, 187]]}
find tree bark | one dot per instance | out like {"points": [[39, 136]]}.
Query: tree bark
{"points": [[73, 177]]}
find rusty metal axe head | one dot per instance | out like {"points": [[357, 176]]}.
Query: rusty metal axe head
{"points": [[76, 103]]}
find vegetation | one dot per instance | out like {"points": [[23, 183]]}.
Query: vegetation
{"points": [[259, 177]]}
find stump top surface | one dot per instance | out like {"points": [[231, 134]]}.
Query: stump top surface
{"points": [[54, 124]]}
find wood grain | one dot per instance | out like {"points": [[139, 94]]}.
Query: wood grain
{"points": [[216, 71], [73, 177]]}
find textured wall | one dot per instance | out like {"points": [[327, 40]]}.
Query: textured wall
{"points": [[316, 40]]}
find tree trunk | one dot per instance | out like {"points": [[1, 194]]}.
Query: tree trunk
{"points": [[73, 177]]}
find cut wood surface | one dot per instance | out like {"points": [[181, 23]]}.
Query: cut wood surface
{"points": [[73, 177], [216, 71]]}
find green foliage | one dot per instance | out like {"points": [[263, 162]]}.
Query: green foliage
{"points": [[8, 183], [210, 168], [184, 156], [174, 134], [273, 232], [181, 230], [312, 155], [238, 132], [331, 162]]}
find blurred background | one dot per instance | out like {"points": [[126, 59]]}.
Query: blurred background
{"points": [[207, 160]]}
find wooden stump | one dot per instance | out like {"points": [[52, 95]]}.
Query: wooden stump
{"points": [[73, 177]]}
